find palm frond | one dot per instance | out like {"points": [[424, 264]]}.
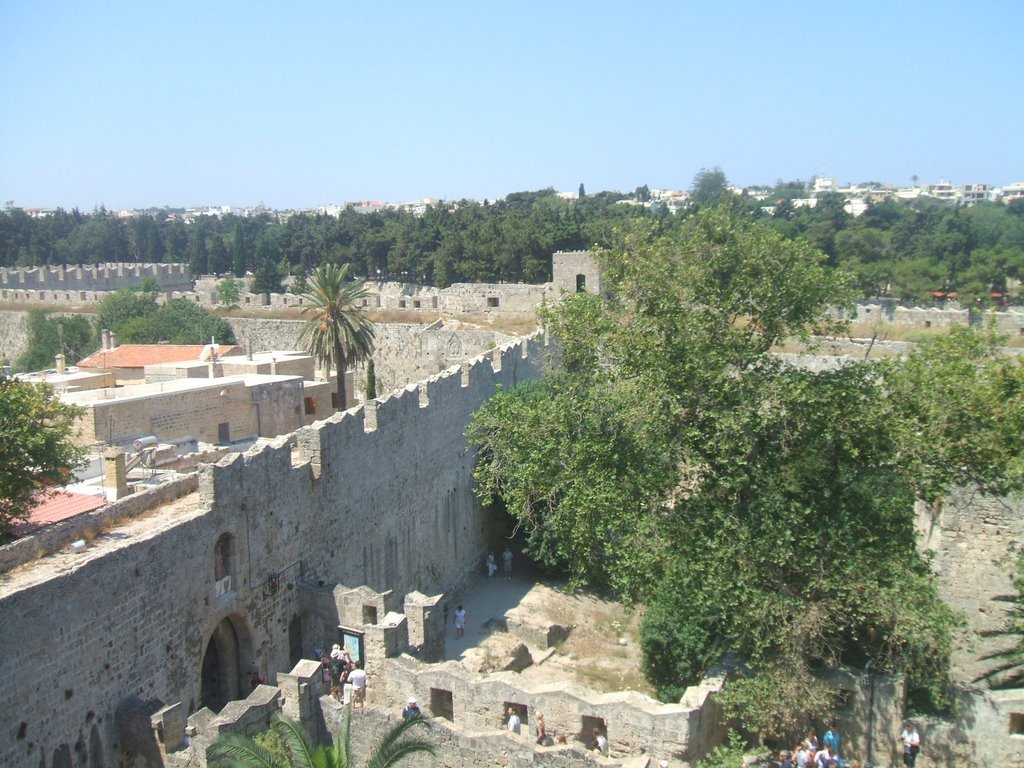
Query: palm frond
{"points": [[295, 741], [398, 745], [338, 330], [233, 750]]}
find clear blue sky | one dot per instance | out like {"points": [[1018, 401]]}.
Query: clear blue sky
{"points": [[133, 104]]}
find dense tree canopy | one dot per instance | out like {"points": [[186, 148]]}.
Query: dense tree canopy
{"points": [[72, 336], [137, 318], [757, 508], [177, 322], [896, 249], [37, 448]]}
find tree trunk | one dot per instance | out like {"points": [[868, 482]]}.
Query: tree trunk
{"points": [[339, 357]]}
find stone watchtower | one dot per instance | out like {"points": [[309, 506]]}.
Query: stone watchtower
{"points": [[575, 272]]}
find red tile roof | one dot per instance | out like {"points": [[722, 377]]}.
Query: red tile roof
{"points": [[57, 505], [140, 355]]}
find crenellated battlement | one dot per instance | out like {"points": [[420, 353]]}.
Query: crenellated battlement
{"points": [[91, 278]]}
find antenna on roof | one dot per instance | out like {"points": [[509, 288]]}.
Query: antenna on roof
{"points": [[210, 352]]}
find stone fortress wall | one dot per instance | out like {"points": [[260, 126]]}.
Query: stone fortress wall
{"points": [[405, 353], [974, 542], [92, 278], [380, 495], [70, 287]]}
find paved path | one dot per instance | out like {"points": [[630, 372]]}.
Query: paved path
{"points": [[486, 599]]}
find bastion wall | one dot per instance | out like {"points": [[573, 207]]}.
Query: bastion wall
{"points": [[380, 495], [95, 277]]}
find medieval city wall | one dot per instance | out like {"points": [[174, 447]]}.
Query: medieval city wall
{"points": [[405, 352], [974, 542], [95, 277], [380, 495], [13, 335]]}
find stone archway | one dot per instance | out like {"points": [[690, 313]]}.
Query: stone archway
{"points": [[226, 662]]}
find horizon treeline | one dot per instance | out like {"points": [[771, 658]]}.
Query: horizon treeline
{"points": [[903, 250]]}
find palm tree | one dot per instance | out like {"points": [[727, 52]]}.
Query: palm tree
{"points": [[339, 332], [233, 750]]}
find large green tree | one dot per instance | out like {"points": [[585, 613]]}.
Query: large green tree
{"points": [[179, 321], [338, 332], [72, 336], [397, 744], [118, 308], [710, 187], [37, 447], [757, 508]]}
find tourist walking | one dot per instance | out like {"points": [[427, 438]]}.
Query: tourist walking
{"points": [[460, 621], [831, 738], [506, 559], [357, 679], [911, 741]]}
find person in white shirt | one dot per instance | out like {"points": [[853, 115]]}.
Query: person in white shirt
{"points": [[357, 679], [911, 741], [514, 723], [460, 621]]}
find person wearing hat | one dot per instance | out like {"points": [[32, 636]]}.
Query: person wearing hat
{"points": [[412, 709]]}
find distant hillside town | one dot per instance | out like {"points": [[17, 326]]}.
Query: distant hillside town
{"points": [[859, 195]]}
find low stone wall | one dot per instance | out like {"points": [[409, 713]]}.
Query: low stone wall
{"points": [[635, 724], [456, 748]]}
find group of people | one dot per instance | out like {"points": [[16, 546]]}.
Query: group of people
{"points": [[812, 753], [514, 724], [506, 562], [345, 678]]}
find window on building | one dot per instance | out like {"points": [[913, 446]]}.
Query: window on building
{"points": [[1016, 724], [927, 323], [223, 563], [415, 304], [310, 405], [369, 614], [401, 303], [442, 704], [492, 301], [519, 709], [224, 432], [588, 725], [581, 283]]}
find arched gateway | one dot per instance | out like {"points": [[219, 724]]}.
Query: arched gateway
{"points": [[227, 664]]}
